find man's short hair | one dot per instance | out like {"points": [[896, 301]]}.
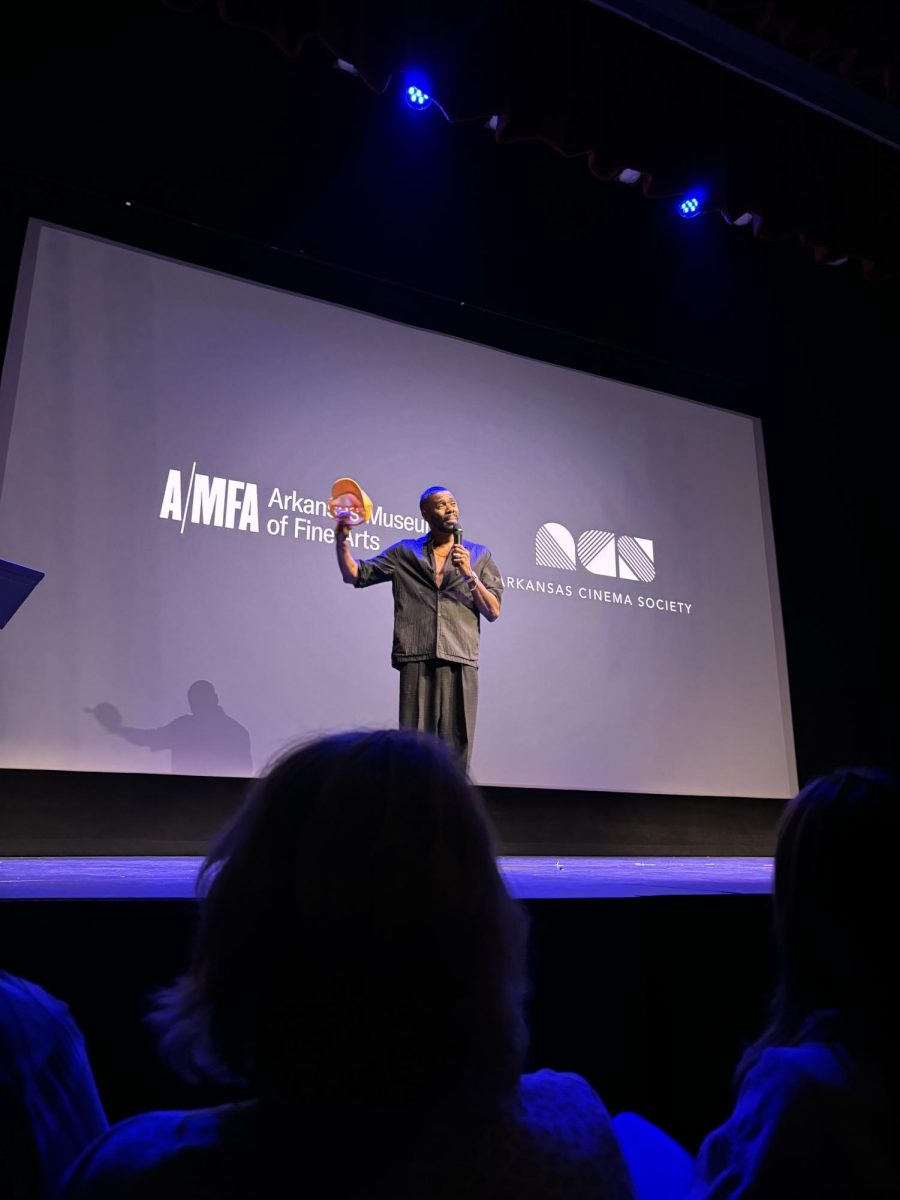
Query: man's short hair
{"points": [[438, 487]]}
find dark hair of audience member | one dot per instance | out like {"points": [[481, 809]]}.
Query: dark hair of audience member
{"points": [[356, 943], [835, 908]]}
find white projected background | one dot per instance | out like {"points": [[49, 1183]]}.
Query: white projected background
{"points": [[639, 647]]}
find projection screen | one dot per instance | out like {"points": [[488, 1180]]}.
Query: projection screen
{"points": [[170, 436]]}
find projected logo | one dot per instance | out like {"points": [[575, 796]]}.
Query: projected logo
{"points": [[598, 551], [211, 500]]}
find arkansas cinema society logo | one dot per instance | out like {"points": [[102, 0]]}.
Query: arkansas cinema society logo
{"points": [[600, 552]]}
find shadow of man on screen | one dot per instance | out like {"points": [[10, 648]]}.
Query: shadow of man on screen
{"points": [[205, 741]]}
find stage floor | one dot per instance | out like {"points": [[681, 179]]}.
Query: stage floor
{"points": [[529, 878]]}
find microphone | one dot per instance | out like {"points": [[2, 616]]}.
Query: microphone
{"points": [[457, 538]]}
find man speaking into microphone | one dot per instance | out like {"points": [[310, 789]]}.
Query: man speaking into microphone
{"points": [[443, 585]]}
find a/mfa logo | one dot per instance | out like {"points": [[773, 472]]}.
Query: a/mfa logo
{"points": [[598, 551]]}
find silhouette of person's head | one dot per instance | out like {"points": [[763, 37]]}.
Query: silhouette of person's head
{"points": [[357, 944], [202, 697], [835, 907], [833, 898]]}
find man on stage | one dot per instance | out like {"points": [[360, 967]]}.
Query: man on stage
{"points": [[443, 586]]}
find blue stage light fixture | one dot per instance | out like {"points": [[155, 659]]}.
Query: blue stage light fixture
{"points": [[690, 206], [417, 98]]}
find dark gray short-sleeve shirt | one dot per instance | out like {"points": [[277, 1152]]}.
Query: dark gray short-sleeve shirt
{"points": [[431, 622]]}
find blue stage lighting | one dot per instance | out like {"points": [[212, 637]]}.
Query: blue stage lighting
{"points": [[417, 97], [690, 206]]}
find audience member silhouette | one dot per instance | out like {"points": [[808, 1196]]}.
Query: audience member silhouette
{"points": [[817, 1114], [360, 967], [204, 742], [49, 1107]]}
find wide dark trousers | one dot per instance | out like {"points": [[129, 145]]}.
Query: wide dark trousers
{"points": [[441, 698]]}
